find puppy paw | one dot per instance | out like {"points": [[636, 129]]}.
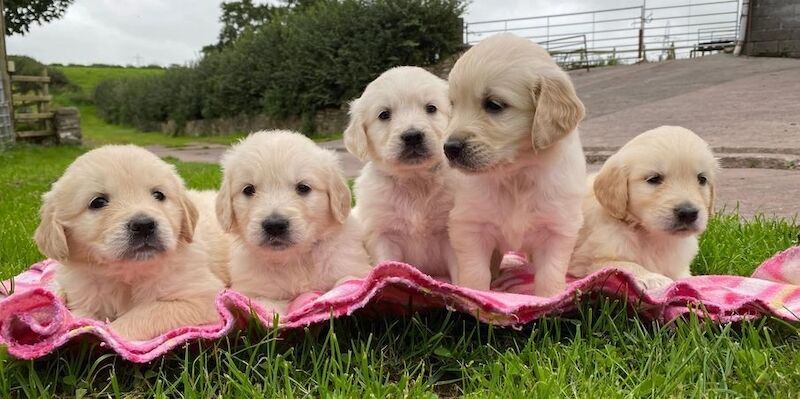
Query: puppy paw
{"points": [[128, 330], [273, 306], [548, 290], [654, 281]]}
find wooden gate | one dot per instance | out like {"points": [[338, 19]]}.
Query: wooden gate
{"points": [[32, 114]]}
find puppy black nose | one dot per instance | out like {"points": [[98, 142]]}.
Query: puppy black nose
{"points": [[412, 137], [686, 213], [142, 226], [275, 226], [453, 148]]}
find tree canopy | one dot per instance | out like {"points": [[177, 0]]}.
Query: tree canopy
{"points": [[21, 14]]}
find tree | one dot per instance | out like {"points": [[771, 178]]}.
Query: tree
{"points": [[21, 14], [238, 16]]}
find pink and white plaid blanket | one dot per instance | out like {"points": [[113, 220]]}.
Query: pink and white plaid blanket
{"points": [[34, 322]]}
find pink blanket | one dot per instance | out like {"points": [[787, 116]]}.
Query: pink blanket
{"points": [[33, 322]]}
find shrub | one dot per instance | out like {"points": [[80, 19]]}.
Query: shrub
{"points": [[311, 58], [25, 65]]}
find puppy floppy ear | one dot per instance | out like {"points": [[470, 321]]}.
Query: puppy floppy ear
{"points": [[224, 206], [355, 136], [338, 195], [188, 219], [558, 109], [611, 189], [711, 200], [50, 236]]}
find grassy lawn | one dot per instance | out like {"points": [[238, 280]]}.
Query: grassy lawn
{"points": [[601, 350]]}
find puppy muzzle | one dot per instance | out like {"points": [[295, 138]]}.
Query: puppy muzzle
{"points": [[684, 219], [144, 241], [414, 148], [462, 155], [276, 232]]}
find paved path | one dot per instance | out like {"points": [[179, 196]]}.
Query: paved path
{"points": [[747, 108], [729, 101]]}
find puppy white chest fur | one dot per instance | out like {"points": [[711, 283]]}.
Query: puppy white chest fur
{"points": [[275, 279], [669, 256], [93, 296], [405, 218], [520, 209]]}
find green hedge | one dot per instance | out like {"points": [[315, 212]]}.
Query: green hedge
{"points": [[24, 65], [319, 57]]}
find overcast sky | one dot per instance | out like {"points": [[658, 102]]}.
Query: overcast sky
{"points": [[173, 31]]}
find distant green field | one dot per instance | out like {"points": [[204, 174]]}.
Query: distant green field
{"points": [[87, 78]]}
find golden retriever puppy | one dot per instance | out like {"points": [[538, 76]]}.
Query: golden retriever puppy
{"points": [[513, 136], [123, 227], [402, 197], [288, 207], [647, 206]]}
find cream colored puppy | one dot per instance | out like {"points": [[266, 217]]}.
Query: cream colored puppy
{"points": [[647, 206], [402, 193], [287, 204], [124, 229], [513, 136]]}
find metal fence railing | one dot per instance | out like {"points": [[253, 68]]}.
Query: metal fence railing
{"points": [[626, 34]]}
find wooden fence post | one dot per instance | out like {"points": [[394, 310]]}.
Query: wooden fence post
{"points": [[7, 135]]}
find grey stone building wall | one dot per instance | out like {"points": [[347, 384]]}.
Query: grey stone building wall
{"points": [[774, 28]]}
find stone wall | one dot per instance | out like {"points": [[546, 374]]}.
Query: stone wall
{"points": [[67, 122], [773, 29], [326, 122]]}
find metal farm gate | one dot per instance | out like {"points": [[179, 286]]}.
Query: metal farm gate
{"points": [[656, 30]]}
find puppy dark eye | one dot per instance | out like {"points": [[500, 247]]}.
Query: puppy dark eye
{"points": [[655, 180], [302, 188], [493, 106], [385, 115], [702, 179], [249, 190], [98, 202], [430, 108], [159, 196]]}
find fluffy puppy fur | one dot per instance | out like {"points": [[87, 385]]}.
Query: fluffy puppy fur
{"points": [[288, 206], [124, 229], [647, 206], [402, 197], [513, 136]]}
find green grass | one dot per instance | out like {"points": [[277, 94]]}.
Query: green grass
{"points": [[600, 350], [87, 77]]}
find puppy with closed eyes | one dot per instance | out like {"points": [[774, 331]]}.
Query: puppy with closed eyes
{"points": [[286, 203], [647, 206], [402, 193], [123, 227], [513, 136]]}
